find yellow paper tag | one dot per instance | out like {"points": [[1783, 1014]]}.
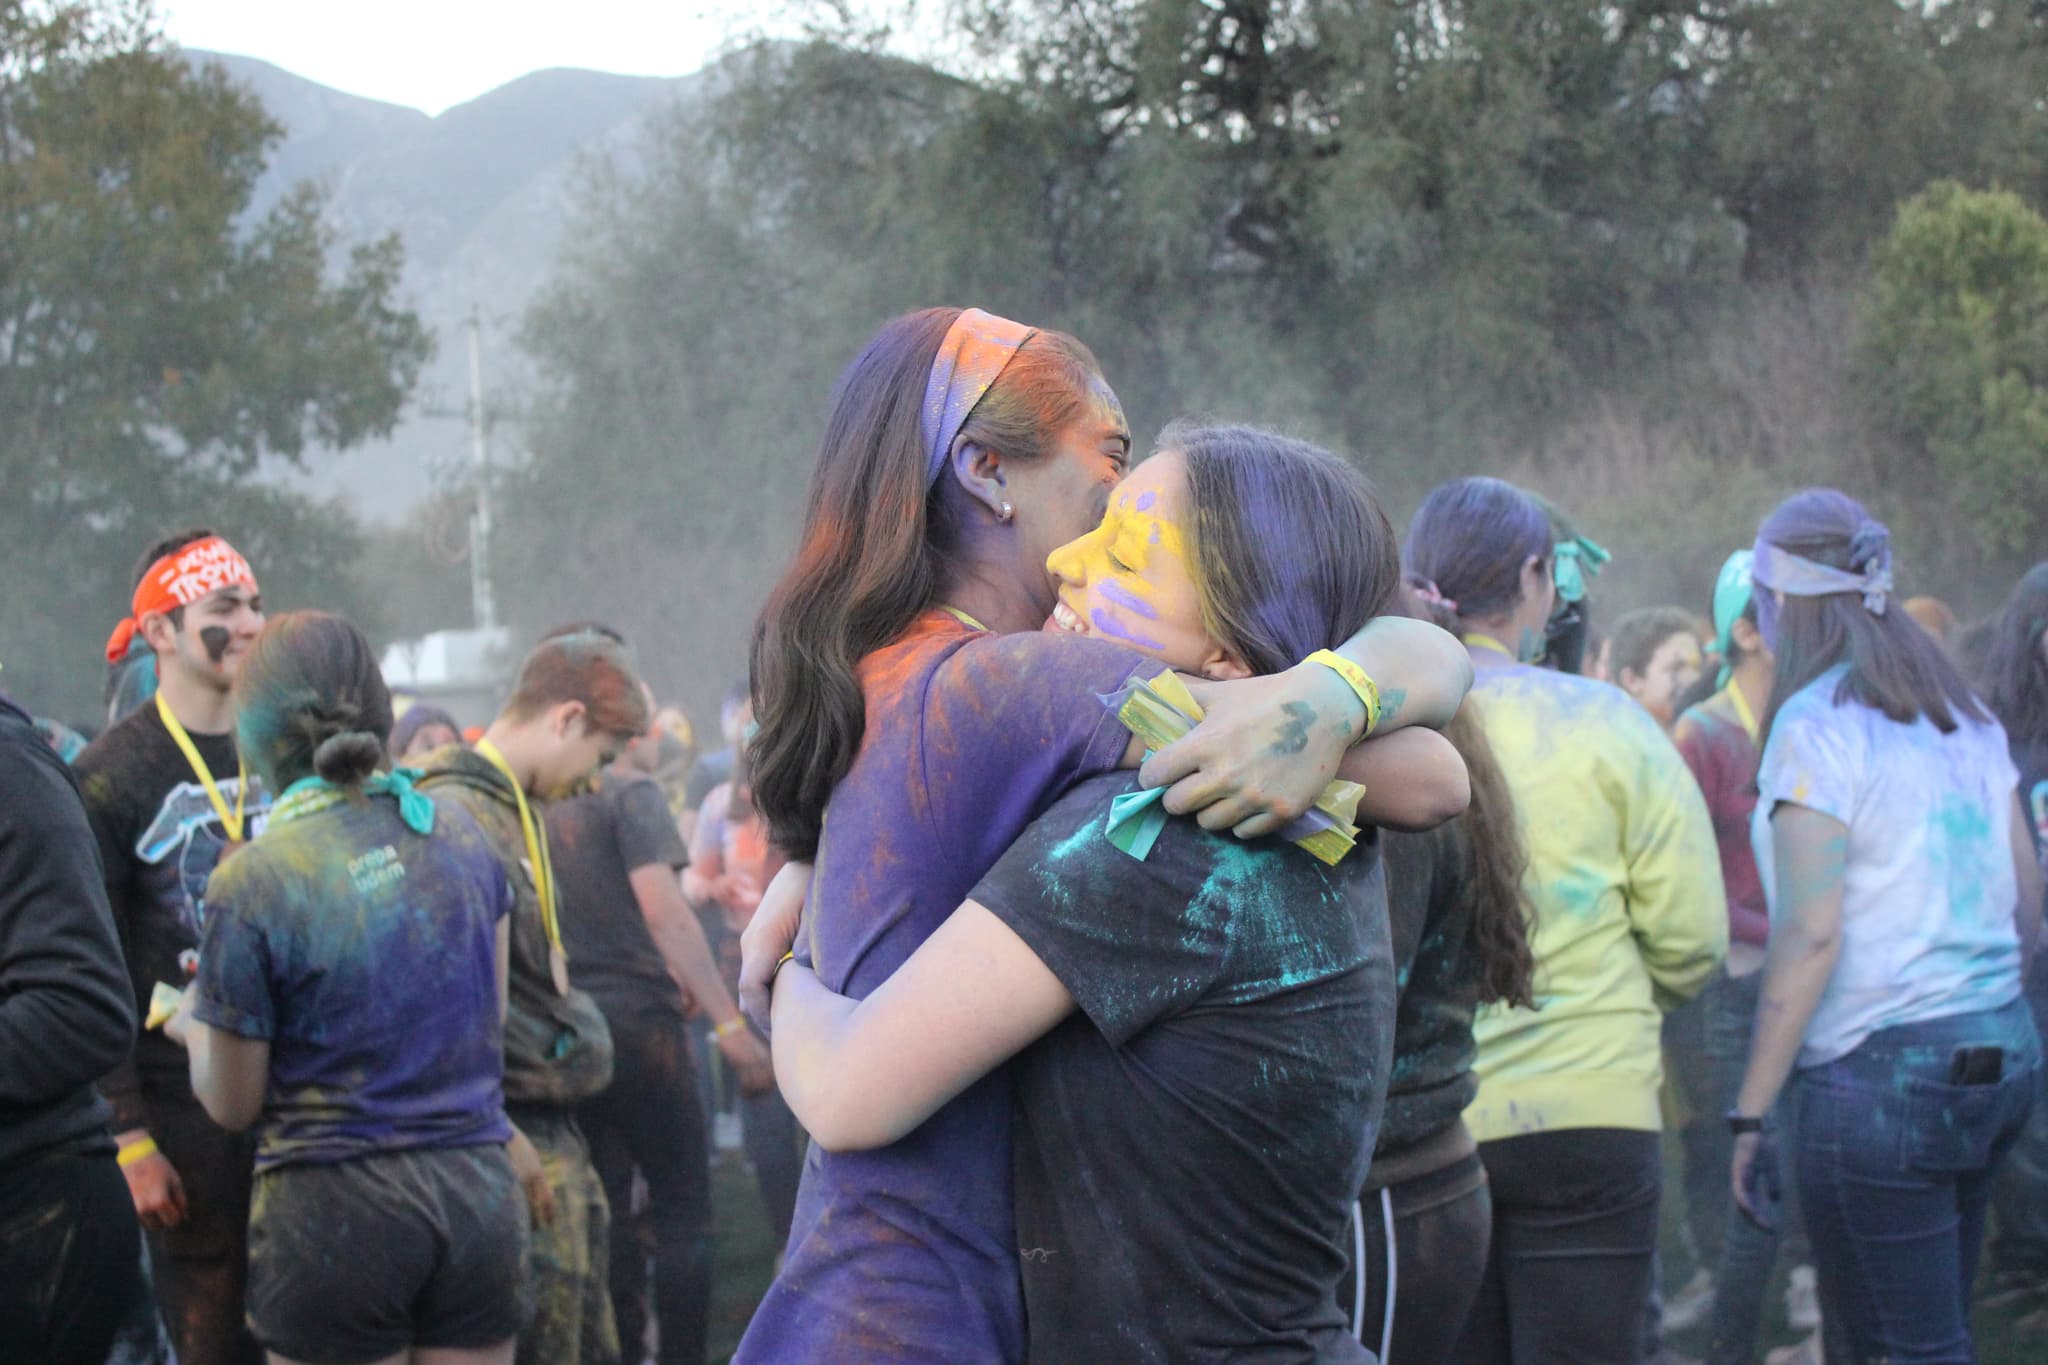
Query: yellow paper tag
{"points": [[163, 1003]]}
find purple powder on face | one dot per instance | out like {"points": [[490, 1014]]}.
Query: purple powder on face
{"points": [[1116, 630], [1128, 600]]}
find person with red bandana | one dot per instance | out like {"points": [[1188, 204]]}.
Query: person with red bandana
{"points": [[168, 798]]}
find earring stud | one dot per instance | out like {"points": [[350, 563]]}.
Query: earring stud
{"points": [[1007, 512]]}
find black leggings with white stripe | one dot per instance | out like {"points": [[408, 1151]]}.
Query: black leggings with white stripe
{"points": [[1423, 1244]]}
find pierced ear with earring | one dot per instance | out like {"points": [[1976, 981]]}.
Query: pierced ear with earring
{"points": [[1005, 512]]}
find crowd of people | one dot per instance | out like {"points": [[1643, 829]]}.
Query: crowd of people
{"points": [[1176, 918]]}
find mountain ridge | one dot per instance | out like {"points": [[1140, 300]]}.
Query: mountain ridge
{"points": [[479, 194]]}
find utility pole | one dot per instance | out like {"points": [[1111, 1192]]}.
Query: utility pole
{"points": [[482, 605]]}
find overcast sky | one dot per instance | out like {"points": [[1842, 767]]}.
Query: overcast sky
{"points": [[431, 54]]}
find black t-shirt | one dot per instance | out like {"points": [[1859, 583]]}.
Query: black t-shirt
{"points": [[597, 840], [159, 839], [1429, 909], [1188, 1145]]}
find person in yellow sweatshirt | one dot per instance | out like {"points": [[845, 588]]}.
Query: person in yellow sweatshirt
{"points": [[1631, 920]]}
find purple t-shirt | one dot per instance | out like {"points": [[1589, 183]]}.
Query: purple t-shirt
{"points": [[365, 955], [910, 1252]]}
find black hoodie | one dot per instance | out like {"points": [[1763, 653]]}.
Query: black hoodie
{"points": [[66, 1016]]}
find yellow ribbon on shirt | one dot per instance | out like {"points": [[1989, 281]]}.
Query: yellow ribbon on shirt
{"points": [[231, 823], [536, 846]]}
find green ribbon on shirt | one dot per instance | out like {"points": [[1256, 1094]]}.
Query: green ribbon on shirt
{"points": [[310, 794], [1135, 819]]}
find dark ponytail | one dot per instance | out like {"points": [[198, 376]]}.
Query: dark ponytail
{"points": [[310, 701], [349, 757]]}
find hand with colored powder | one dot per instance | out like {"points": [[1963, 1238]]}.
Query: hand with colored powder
{"points": [[1266, 749]]}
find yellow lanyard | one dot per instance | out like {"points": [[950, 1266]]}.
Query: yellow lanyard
{"points": [[536, 846], [963, 618], [231, 823], [1742, 711], [1478, 641]]}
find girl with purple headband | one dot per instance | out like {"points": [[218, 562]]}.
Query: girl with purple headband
{"points": [[1903, 896], [914, 720]]}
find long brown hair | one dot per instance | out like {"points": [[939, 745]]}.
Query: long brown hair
{"points": [[1503, 916], [875, 546]]}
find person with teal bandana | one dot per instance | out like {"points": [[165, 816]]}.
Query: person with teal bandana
{"points": [[349, 1005]]}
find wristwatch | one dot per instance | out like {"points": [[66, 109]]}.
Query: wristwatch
{"points": [[1740, 1123]]}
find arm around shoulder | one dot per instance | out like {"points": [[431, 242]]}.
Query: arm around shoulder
{"points": [[1422, 672], [1414, 780]]}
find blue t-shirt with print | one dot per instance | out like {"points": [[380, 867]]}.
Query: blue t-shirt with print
{"points": [[365, 954], [1928, 883]]}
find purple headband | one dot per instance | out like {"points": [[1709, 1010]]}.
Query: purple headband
{"points": [[1796, 576], [977, 347]]}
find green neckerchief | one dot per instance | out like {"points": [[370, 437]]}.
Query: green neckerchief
{"points": [[311, 794]]}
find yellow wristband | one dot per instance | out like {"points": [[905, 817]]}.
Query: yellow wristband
{"points": [[736, 1024], [134, 1152], [1361, 682]]}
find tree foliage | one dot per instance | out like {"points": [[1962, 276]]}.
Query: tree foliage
{"points": [[1958, 345], [155, 345], [1446, 236]]}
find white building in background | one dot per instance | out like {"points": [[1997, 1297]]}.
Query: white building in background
{"points": [[465, 672]]}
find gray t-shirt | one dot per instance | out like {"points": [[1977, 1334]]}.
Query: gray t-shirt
{"points": [[597, 840]]}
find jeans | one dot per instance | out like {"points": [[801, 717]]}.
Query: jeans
{"points": [[649, 1117], [1748, 1253], [2019, 1247], [1568, 1271], [1694, 1064], [1894, 1166]]}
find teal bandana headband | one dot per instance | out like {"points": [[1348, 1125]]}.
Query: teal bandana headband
{"points": [[1578, 559], [1732, 593]]}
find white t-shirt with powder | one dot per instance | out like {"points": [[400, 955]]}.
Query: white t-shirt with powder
{"points": [[1927, 906]]}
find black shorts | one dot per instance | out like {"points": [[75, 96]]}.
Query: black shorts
{"points": [[362, 1259]]}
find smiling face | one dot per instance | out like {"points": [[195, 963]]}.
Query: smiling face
{"points": [[1129, 580], [1057, 499]]}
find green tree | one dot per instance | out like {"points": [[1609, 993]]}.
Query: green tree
{"points": [[1957, 347], [1601, 247], [156, 345]]}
